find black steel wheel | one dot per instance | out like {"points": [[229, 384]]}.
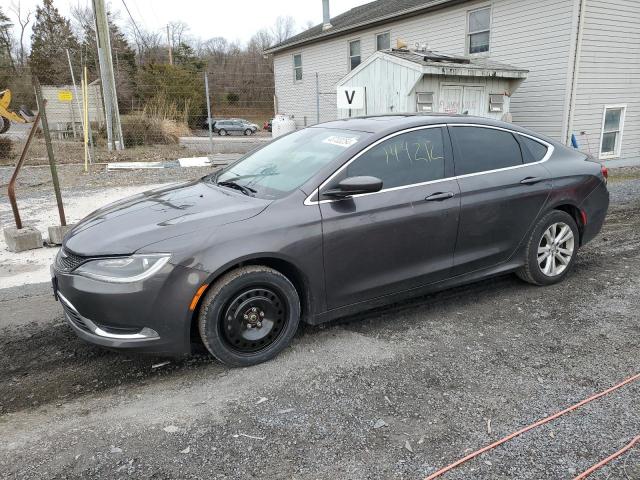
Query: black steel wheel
{"points": [[254, 320], [249, 315]]}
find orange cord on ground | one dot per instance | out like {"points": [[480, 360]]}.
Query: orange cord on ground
{"points": [[444, 470], [598, 465]]}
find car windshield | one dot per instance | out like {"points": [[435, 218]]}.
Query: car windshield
{"points": [[288, 162]]}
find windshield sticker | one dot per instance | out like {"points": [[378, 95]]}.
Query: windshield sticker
{"points": [[344, 142]]}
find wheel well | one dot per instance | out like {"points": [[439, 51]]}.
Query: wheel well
{"points": [[575, 214], [293, 274]]}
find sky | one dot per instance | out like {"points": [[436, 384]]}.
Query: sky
{"points": [[234, 20]]}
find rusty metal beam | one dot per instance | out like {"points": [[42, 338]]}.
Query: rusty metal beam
{"points": [[11, 190]]}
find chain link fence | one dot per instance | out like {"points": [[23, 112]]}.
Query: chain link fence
{"points": [[163, 113]]}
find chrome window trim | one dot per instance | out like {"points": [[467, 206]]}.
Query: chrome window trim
{"points": [[550, 149]]}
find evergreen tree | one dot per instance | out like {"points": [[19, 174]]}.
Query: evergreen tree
{"points": [[6, 43], [52, 35]]}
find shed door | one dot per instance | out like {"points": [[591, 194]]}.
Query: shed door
{"points": [[450, 99], [461, 99], [472, 101]]}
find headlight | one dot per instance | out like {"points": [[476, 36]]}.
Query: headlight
{"points": [[123, 269]]}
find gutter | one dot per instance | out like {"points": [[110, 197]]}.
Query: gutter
{"points": [[582, 13], [335, 32]]}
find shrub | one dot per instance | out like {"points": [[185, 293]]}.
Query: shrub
{"points": [[142, 129], [6, 145]]}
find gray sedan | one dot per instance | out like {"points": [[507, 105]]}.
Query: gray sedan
{"points": [[326, 222]]}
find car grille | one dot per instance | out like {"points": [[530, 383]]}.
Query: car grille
{"points": [[67, 261], [75, 318]]}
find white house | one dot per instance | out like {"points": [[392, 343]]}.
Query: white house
{"points": [[582, 58]]}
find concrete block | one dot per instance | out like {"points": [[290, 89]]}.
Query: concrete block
{"points": [[57, 233], [27, 238]]}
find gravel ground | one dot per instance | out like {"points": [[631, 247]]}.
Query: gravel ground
{"points": [[393, 393]]}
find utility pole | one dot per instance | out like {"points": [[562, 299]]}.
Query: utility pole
{"points": [[105, 58], [170, 47]]}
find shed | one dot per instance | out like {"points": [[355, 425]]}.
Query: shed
{"points": [[64, 109], [410, 81]]}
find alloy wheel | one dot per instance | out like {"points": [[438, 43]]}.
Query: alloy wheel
{"points": [[556, 249], [253, 320]]}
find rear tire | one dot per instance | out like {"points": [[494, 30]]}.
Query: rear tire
{"points": [[551, 249], [249, 316], [222, 132], [4, 125]]}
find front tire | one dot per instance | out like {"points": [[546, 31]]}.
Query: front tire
{"points": [[248, 132], [249, 316], [551, 250]]}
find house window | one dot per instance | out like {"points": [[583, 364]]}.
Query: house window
{"points": [[612, 125], [479, 30], [383, 41], [297, 67], [354, 54]]}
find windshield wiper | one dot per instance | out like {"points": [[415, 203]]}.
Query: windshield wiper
{"points": [[236, 186]]}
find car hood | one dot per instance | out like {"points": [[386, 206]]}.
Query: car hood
{"points": [[123, 227]]}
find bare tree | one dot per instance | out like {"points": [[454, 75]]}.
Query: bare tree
{"points": [[23, 18], [283, 29]]}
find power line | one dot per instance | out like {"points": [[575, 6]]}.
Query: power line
{"points": [[135, 25]]}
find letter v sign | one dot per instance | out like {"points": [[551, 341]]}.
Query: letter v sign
{"points": [[350, 99]]}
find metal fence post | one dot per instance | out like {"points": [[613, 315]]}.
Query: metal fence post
{"points": [[206, 88], [47, 141]]}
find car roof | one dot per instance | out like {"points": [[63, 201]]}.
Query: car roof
{"points": [[386, 123]]}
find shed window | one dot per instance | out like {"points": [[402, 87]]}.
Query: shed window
{"points": [[496, 103], [354, 54], [612, 125], [479, 30], [425, 102], [297, 67], [383, 41]]}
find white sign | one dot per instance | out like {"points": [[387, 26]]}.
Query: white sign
{"points": [[351, 97]]}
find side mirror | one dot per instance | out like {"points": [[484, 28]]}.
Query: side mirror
{"points": [[355, 186]]}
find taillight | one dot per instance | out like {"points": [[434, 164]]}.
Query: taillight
{"points": [[605, 173]]}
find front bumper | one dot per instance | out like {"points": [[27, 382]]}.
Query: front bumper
{"points": [[150, 316]]}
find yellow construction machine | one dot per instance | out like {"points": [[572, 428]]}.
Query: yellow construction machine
{"points": [[7, 116]]}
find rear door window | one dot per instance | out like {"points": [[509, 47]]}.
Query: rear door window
{"points": [[532, 150], [406, 159], [479, 149]]}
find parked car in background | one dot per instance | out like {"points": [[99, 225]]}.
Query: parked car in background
{"points": [[205, 123], [325, 222], [235, 126], [268, 125]]}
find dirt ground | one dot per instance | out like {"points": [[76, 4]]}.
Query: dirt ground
{"points": [[394, 393]]}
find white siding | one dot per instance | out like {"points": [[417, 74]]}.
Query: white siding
{"points": [[609, 73], [533, 35]]}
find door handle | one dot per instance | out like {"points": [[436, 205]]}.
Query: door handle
{"points": [[532, 180], [440, 196]]}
